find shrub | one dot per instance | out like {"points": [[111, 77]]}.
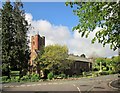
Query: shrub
{"points": [[4, 78], [55, 76], [50, 76], [104, 73], [25, 78], [84, 74], [111, 72], [62, 75], [104, 68], [95, 74], [35, 77]]}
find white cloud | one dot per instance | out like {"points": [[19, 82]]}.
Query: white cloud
{"points": [[61, 35]]}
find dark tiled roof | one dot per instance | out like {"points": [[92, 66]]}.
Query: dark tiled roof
{"points": [[78, 58]]}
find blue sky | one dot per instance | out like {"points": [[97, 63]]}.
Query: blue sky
{"points": [[54, 20], [55, 12]]}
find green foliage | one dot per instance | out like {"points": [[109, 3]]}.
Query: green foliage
{"points": [[15, 79], [61, 76], [7, 36], [98, 14], [84, 74], [54, 58], [50, 75], [25, 78], [4, 78], [104, 73], [14, 73], [15, 51], [35, 78]]}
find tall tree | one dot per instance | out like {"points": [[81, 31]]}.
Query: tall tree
{"points": [[102, 14], [7, 36], [15, 50], [21, 44]]}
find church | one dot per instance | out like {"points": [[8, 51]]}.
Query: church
{"points": [[80, 64]]}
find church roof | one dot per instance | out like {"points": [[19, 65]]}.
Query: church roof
{"points": [[78, 58]]}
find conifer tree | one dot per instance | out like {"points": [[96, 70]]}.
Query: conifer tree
{"points": [[15, 50], [21, 28], [7, 37]]}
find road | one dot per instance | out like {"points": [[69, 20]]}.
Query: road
{"points": [[82, 85]]}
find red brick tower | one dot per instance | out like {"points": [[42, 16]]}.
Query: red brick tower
{"points": [[37, 43]]}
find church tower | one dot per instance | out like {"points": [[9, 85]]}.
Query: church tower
{"points": [[37, 42]]}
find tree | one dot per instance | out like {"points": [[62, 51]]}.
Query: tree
{"points": [[99, 14], [83, 55], [21, 44], [15, 51], [54, 58], [116, 63], [7, 36]]}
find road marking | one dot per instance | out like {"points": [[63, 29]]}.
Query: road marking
{"points": [[28, 85], [33, 85], [74, 85], [111, 86], [38, 84], [17, 86], [90, 88], [79, 89], [54, 83], [50, 83], [11, 86], [22, 85], [5, 86]]}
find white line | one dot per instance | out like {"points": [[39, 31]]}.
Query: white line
{"points": [[28, 85], [38, 84], [55, 83], [74, 85], [79, 89], [11, 86], [17, 86], [111, 86], [22, 85], [5, 86], [50, 83], [90, 88], [33, 85]]}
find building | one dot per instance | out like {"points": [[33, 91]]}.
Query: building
{"points": [[79, 65], [37, 42]]}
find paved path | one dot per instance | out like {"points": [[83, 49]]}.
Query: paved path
{"points": [[84, 84]]}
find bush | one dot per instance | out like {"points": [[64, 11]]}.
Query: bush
{"points": [[104, 73], [4, 78], [111, 72], [35, 77], [55, 76], [84, 74], [95, 74], [15, 73], [25, 78], [50, 76], [32, 78], [62, 75], [104, 68]]}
